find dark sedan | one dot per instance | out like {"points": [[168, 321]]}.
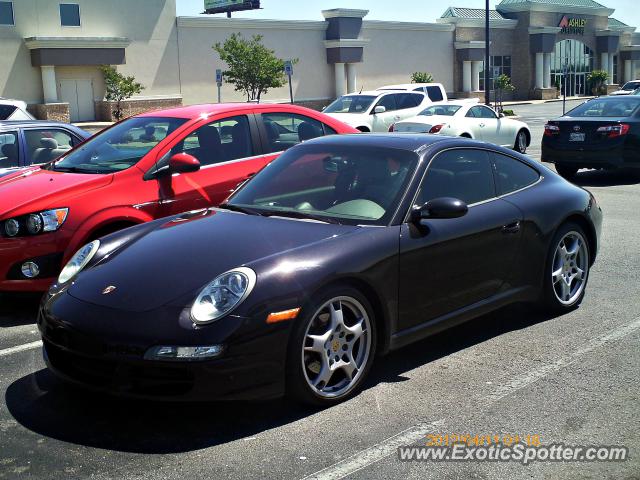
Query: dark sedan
{"points": [[34, 142], [341, 249], [602, 133]]}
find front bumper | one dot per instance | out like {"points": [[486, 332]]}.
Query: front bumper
{"points": [[46, 250], [102, 349]]}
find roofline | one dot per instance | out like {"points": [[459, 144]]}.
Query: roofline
{"points": [[506, 23], [529, 6]]}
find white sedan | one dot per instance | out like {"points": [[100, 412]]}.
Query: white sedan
{"points": [[468, 119]]}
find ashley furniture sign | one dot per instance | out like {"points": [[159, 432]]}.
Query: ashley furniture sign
{"points": [[572, 26]]}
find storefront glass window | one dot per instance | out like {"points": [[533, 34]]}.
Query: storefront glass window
{"points": [[500, 64], [578, 59]]}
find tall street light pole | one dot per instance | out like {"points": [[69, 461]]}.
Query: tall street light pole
{"points": [[487, 66]]}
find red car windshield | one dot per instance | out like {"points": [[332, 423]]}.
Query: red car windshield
{"points": [[120, 147]]}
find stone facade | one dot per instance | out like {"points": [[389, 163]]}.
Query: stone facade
{"points": [[105, 109], [58, 112]]}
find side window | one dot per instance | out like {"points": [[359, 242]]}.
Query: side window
{"points": [[485, 112], [6, 111], [388, 102], [512, 175], [435, 94], [465, 174], [219, 141], [284, 130], [9, 150], [409, 100], [474, 112], [46, 144]]}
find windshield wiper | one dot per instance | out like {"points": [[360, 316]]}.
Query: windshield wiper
{"points": [[238, 208], [301, 215]]}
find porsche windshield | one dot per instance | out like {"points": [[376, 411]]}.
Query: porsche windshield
{"points": [[337, 184], [351, 104], [120, 147]]}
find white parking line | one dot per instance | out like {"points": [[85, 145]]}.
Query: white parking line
{"points": [[388, 447], [20, 348]]}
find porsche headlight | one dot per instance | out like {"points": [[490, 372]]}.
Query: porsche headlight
{"points": [[223, 294], [79, 260]]}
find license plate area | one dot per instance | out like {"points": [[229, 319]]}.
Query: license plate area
{"points": [[576, 137]]}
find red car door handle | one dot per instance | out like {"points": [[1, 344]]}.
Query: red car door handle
{"points": [[250, 175], [513, 227]]}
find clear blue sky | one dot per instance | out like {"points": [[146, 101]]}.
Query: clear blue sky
{"points": [[628, 11]]}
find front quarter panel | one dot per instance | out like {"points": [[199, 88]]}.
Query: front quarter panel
{"points": [[366, 259]]}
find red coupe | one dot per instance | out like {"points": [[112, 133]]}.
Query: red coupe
{"points": [[145, 167]]}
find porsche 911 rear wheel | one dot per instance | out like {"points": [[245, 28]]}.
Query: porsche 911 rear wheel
{"points": [[332, 348], [567, 268]]}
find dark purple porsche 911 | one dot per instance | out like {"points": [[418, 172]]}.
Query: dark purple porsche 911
{"points": [[342, 249]]}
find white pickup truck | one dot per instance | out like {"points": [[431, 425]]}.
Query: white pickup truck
{"points": [[435, 91]]}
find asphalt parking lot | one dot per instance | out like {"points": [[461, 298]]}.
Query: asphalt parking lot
{"points": [[569, 379]]}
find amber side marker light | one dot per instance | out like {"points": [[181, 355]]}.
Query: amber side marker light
{"points": [[282, 316]]}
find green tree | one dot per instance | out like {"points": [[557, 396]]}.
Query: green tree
{"points": [[597, 79], [119, 88], [421, 77], [252, 67], [501, 85]]}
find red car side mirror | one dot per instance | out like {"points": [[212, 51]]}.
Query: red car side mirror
{"points": [[183, 163]]}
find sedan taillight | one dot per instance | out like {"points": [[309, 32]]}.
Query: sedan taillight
{"points": [[612, 131], [436, 128], [550, 130]]}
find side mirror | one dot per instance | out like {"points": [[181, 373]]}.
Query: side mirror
{"points": [[379, 109], [183, 163], [442, 207]]}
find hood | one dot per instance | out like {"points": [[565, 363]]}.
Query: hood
{"points": [[182, 254], [421, 123], [36, 189]]}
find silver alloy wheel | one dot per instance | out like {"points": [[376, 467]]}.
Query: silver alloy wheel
{"points": [[522, 141], [336, 348], [570, 268]]}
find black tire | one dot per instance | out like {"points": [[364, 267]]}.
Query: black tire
{"points": [[299, 363], [566, 171], [521, 147], [364, 129], [549, 299], [465, 135]]}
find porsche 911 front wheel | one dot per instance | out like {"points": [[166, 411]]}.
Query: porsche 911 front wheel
{"points": [[332, 348]]}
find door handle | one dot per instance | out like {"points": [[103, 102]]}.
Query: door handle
{"points": [[397, 117], [249, 175], [513, 227], [482, 125]]}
